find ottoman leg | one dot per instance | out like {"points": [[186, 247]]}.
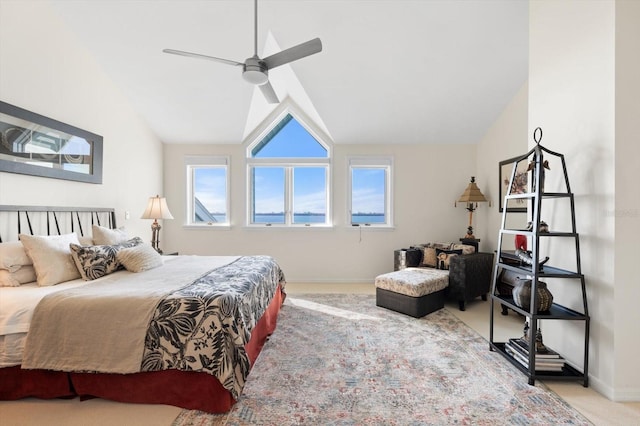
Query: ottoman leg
{"points": [[461, 304]]}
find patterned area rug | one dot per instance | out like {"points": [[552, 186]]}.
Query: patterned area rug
{"points": [[340, 360]]}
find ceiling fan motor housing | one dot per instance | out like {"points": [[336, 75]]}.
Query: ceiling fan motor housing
{"points": [[255, 71]]}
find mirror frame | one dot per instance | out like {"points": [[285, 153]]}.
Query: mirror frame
{"points": [[95, 141]]}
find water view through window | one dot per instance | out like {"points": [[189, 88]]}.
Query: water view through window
{"points": [[290, 182], [368, 195]]}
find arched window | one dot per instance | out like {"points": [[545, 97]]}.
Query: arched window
{"points": [[288, 170]]}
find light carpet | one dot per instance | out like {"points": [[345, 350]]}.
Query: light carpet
{"points": [[340, 360]]}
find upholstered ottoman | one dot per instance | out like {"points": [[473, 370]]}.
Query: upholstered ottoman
{"points": [[412, 291]]}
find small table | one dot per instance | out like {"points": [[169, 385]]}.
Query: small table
{"points": [[471, 242]]}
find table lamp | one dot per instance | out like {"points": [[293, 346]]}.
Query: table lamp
{"points": [[156, 209], [471, 195]]}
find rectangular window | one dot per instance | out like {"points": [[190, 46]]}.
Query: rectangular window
{"points": [[309, 195], [370, 198], [289, 195], [207, 191], [268, 197]]}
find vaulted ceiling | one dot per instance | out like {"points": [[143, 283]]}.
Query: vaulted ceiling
{"points": [[391, 71]]}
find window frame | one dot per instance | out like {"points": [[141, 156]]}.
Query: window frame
{"points": [[202, 162], [377, 162], [288, 163], [289, 200]]}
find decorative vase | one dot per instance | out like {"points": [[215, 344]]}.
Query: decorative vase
{"points": [[521, 242], [522, 295]]}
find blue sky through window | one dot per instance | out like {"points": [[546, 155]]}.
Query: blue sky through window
{"points": [[210, 188], [368, 194], [290, 140], [309, 191]]}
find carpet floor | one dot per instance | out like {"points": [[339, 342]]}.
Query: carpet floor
{"points": [[340, 360]]}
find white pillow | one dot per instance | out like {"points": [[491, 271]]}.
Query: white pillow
{"points": [[107, 237], [139, 258], [26, 274], [51, 257], [13, 256], [7, 279], [85, 240], [466, 249]]}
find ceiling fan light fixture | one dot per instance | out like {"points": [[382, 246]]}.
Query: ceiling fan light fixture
{"points": [[255, 72], [255, 76]]}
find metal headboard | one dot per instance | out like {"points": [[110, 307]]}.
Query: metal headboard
{"points": [[54, 216]]}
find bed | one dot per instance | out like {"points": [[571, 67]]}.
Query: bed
{"points": [[134, 326]]}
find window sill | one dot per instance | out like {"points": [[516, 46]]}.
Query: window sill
{"points": [[289, 227], [208, 227], [371, 227]]}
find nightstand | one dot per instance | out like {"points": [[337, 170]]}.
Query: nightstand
{"points": [[471, 242]]}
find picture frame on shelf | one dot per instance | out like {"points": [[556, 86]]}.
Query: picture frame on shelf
{"points": [[520, 184]]}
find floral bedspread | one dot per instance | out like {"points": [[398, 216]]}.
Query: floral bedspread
{"points": [[205, 325]]}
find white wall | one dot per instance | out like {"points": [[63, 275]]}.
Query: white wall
{"points": [[572, 96], [507, 138], [44, 69], [627, 201], [427, 181]]}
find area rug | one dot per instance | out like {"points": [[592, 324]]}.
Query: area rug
{"points": [[340, 360]]}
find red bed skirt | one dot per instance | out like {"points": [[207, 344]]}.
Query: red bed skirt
{"points": [[185, 389]]}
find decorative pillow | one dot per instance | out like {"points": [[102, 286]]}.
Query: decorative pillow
{"points": [[107, 237], [444, 256], [97, 261], [85, 241], [429, 257], [140, 258], [466, 249], [13, 256], [51, 257], [25, 274]]}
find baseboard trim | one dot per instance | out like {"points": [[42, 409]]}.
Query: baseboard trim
{"points": [[333, 281], [613, 394]]}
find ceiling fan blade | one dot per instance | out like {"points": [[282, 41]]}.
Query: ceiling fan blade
{"points": [[199, 56], [269, 93], [293, 53]]}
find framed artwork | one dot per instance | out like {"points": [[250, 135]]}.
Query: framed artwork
{"points": [[520, 184], [35, 145]]}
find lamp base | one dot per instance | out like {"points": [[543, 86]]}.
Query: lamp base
{"points": [[155, 234], [469, 235]]}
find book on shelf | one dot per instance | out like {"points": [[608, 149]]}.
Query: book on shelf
{"points": [[525, 355], [524, 345], [540, 365]]}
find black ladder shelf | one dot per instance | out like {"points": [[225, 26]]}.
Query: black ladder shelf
{"points": [[509, 261]]}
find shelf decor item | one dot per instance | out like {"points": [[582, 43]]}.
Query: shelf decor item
{"points": [[520, 242], [522, 295], [526, 258]]}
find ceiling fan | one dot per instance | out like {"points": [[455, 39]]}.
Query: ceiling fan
{"points": [[256, 70]]}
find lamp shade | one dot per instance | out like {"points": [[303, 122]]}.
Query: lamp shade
{"points": [[157, 209], [472, 193]]}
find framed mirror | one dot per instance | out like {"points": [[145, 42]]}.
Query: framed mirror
{"points": [[35, 145]]}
